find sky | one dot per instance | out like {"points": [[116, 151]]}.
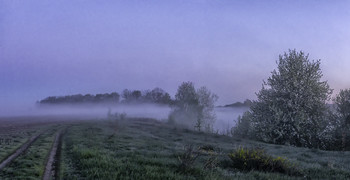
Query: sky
{"points": [[84, 46]]}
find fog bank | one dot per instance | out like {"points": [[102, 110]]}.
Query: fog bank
{"points": [[226, 117], [90, 110]]}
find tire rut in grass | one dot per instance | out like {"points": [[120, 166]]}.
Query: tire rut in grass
{"points": [[52, 165], [19, 151]]}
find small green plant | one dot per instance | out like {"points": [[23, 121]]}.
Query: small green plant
{"points": [[256, 159]]}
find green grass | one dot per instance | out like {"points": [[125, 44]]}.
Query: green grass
{"points": [[256, 159], [10, 142], [148, 149], [31, 164]]}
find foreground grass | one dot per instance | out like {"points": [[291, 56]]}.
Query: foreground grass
{"points": [[11, 141], [95, 151], [147, 149], [31, 164]]}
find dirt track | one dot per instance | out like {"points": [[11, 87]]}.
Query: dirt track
{"points": [[39, 124], [19, 151], [49, 169]]}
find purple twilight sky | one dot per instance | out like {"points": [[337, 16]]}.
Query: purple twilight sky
{"points": [[67, 47]]}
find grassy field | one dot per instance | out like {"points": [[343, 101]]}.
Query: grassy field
{"points": [[30, 165], [11, 138], [11, 141], [149, 149]]}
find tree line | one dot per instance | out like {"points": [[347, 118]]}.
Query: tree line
{"points": [[191, 107], [157, 96]]}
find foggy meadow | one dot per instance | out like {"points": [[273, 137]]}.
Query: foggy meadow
{"points": [[174, 89]]}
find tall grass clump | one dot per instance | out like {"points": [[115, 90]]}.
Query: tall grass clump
{"points": [[187, 159], [256, 159]]}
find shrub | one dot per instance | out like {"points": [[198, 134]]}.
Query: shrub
{"points": [[187, 159], [256, 159]]}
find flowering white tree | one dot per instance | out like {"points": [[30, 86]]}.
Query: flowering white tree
{"points": [[291, 106]]}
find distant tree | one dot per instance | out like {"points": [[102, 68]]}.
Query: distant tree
{"points": [[186, 108], [165, 99], [88, 98], [186, 97], [207, 114], [126, 94], [132, 96], [247, 103], [342, 102], [158, 95], [136, 94], [194, 108], [79, 99], [291, 106], [99, 97], [114, 97], [48, 100]]}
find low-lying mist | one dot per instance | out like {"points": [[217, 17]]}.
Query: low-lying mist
{"points": [[226, 117], [89, 110]]}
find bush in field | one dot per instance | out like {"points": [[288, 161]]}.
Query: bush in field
{"points": [[187, 159], [342, 125], [291, 106], [117, 120], [256, 159], [116, 116]]}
